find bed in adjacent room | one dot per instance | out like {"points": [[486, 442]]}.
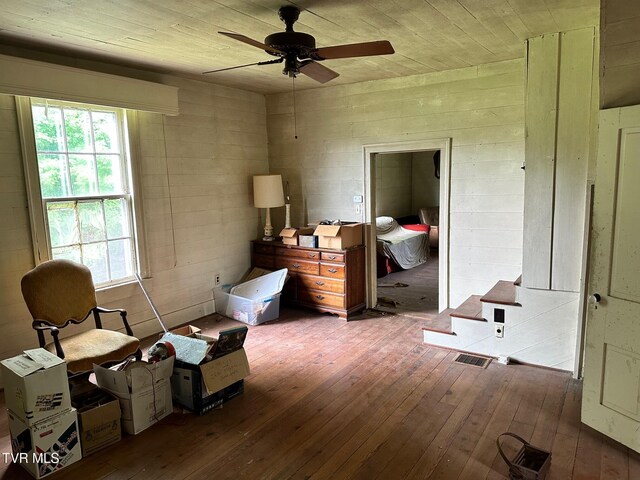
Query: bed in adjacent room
{"points": [[404, 247]]}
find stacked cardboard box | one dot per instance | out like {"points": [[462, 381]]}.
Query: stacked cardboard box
{"points": [[44, 429]]}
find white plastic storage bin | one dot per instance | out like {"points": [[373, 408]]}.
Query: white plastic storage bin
{"points": [[253, 302]]}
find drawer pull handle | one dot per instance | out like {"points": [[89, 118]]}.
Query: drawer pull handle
{"points": [[296, 265], [320, 283], [332, 257], [312, 255], [319, 297], [333, 270]]}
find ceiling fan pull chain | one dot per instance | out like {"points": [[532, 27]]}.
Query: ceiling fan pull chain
{"points": [[295, 127]]}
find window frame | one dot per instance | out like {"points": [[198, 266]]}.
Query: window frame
{"points": [[37, 204]]}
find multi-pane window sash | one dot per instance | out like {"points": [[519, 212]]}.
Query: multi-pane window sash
{"points": [[85, 187]]}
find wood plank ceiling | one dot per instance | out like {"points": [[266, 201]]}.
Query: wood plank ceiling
{"points": [[180, 36]]}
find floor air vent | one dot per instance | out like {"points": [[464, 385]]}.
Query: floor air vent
{"points": [[474, 360]]}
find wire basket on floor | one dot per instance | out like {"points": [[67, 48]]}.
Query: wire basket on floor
{"points": [[530, 463]]}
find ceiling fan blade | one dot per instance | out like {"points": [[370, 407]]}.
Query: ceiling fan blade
{"points": [[381, 47], [268, 62], [250, 41], [318, 72]]}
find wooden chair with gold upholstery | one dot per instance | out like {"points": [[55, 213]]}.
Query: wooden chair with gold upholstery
{"points": [[61, 292]]}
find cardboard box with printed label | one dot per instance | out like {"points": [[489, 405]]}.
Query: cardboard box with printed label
{"points": [[98, 419], [47, 446], [290, 235], [36, 385], [339, 236], [144, 392]]}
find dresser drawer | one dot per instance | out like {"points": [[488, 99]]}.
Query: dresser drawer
{"points": [[290, 289], [262, 249], [333, 270], [321, 298], [296, 265], [290, 252], [325, 284], [263, 261], [333, 257]]}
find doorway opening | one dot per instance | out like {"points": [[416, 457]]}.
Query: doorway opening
{"points": [[407, 208]]}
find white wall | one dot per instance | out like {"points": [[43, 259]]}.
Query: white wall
{"points": [[196, 185], [619, 53], [393, 184], [480, 108], [425, 186]]}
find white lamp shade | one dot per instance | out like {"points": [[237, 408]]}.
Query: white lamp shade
{"points": [[267, 191]]}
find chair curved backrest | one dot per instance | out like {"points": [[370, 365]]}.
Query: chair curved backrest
{"points": [[429, 215], [58, 291]]}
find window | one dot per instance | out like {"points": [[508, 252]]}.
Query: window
{"points": [[84, 186]]}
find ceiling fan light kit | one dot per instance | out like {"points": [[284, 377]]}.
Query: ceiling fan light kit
{"points": [[299, 53]]}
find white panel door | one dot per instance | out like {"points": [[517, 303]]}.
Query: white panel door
{"points": [[611, 396]]}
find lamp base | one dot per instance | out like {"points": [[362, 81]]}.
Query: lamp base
{"points": [[268, 229]]}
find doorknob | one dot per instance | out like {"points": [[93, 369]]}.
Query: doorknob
{"points": [[594, 299]]}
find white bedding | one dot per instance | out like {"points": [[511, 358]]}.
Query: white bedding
{"points": [[407, 248]]}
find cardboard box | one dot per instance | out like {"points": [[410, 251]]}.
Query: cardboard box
{"points": [[47, 446], [205, 378], [190, 391], [339, 236], [308, 241], [185, 330], [290, 235], [36, 385], [144, 392], [98, 419], [224, 371]]}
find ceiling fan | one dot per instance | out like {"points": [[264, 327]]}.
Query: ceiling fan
{"points": [[298, 50]]}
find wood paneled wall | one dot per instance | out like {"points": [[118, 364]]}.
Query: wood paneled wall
{"points": [[619, 53], [425, 185], [196, 170], [393, 184], [480, 108], [560, 121]]}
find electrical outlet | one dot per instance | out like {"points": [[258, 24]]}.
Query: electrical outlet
{"points": [[216, 279], [358, 209], [499, 330]]}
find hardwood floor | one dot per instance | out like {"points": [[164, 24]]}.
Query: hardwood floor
{"points": [[327, 399], [420, 295]]}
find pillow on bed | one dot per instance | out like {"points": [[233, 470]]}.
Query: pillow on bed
{"points": [[385, 225]]}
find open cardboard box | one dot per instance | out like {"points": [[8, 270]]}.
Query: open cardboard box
{"points": [[290, 235], [204, 376], [339, 237], [99, 419], [144, 392], [36, 385]]}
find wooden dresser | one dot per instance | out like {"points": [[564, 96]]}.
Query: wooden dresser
{"points": [[324, 279]]}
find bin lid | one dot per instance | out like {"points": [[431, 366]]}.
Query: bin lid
{"points": [[261, 287]]}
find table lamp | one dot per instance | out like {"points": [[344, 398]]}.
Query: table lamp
{"points": [[267, 193]]}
